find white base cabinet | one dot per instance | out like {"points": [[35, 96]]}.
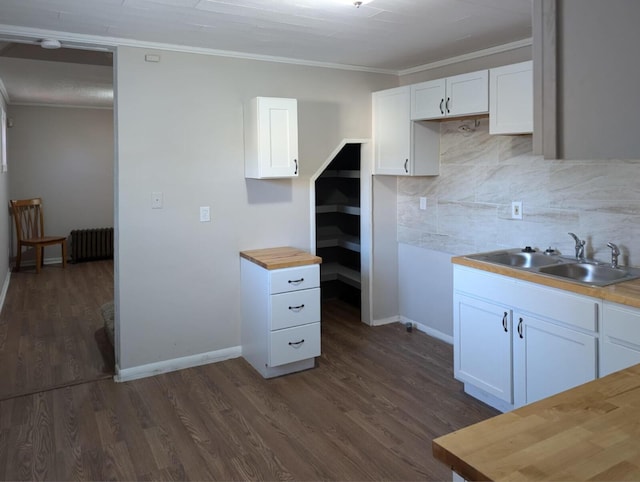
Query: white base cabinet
{"points": [[280, 317], [513, 349], [620, 338]]}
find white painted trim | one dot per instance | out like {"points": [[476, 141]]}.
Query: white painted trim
{"points": [[428, 330], [29, 35], [5, 288], [4, 93], [61, 106], [166, 366], [470, 56], [385, 321]]}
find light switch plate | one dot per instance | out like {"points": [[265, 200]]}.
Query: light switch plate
{"points": [[516, 210], [205, 214], [423, 203]]}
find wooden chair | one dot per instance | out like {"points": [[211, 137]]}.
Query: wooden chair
{"points": [[29, 221]]}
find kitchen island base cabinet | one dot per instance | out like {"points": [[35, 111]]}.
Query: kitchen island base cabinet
{"points": [[280, 317]]}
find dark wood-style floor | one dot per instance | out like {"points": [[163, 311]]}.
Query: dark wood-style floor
{"points": [[48, 327], [367, 412]]}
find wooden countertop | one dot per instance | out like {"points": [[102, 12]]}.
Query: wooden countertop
{"points": [[283, 257], [589, 432], [626, 293]]}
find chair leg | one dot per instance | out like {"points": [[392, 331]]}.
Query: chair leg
{"points": [[18, 258], [39, 250], [64, 254]]}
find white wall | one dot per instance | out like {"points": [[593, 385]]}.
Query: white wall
{"points": [[65, 156], [5, 223], [180, 132], [598, 79]]}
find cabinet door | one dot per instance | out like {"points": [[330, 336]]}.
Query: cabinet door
{"points": [[482, 345], [511, 99], [620, 338], [467, 94], [549, 358], [392, 131], [427, 100], [271, 138]]}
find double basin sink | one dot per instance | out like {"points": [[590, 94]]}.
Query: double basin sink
{"points": [[588, 272]]}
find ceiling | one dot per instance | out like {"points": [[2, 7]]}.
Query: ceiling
{"points": [[383, 35]]}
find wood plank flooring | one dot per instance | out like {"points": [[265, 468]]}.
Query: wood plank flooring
{"points": [[367, 412], [48, 326]]}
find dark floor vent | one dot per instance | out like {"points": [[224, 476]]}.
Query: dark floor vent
{"points": [[91, 244]]}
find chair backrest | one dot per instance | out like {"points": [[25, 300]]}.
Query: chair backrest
{"points": [[28, 217]]}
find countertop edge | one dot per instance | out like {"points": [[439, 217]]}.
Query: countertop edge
{"points": [[625, 293], [280, 257]]}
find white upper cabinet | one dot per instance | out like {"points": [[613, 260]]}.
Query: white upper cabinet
{"points": [[460, 95], [271, 138], [511, 99], [403, 147]]}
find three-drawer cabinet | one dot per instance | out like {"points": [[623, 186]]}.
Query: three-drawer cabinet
{"points": [[280, 313]]}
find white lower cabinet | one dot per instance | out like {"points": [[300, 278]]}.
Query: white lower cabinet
{"points": [[549, 358], [280, 317], [516, 342], [619, 338]]}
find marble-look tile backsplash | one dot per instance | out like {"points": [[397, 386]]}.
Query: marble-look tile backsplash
{"points": [[469, 203]]}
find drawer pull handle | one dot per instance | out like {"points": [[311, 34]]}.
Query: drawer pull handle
{"points": [[504, 322], [296, 308], [296, 344], [520, 328], [296, 281]]}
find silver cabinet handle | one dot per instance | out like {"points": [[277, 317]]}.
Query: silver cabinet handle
{"points": [[504, 322]]}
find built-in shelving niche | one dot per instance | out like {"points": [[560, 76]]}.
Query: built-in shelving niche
{"points": [[338, 226]]}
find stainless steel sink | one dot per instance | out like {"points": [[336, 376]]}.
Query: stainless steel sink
{"points": [[521, 259], [589, 273]]}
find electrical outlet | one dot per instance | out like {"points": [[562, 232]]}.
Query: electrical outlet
{"points": [[516, 210], [156, 200], [423, 203]]}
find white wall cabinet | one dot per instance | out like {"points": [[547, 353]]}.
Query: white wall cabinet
{"points": [[620, 337], [465, 94], [511, 99], [280, 317], [510, 349], [271, 138], [403, 147]]}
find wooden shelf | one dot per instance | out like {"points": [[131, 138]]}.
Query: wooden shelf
{"points": [[342, 173], [338, 208], [336, 271], [352, 243]]}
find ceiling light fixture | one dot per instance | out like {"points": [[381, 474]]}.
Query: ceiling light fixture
{"points": [[49, 43], [358, 3]]}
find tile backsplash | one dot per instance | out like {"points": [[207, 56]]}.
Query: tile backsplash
{"points": [[469, 203]]}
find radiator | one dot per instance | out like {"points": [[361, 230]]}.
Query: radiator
{"points": [[91, 244]]}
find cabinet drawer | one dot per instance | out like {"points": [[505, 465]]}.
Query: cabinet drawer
{"points": [[295, 308], [622, 323], [292, 279], [294, 344]]}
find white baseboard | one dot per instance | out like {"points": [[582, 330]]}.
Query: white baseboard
{"points": [[385, 321], [166, 366], [428, 330], [5, 288]]}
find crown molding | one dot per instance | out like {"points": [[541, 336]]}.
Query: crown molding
{"points": [[470, 56], [96, 42]]}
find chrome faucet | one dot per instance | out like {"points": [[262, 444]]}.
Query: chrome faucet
{"points": [[615, 252], [579, 247]]}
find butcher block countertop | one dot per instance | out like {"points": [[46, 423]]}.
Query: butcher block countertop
{"points": [[626, 293], [278, 258], [591, 432]]}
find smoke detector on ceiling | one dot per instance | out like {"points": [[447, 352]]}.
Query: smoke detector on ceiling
{"points": [[49, 43]]}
